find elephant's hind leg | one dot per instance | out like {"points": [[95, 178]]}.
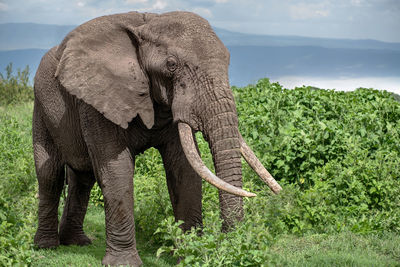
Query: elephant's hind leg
{"points": [[50, 175], [71, 226]]}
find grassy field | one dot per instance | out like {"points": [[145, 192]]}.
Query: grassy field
{"points": [[92, 255], [336, 155], [342, 249]]}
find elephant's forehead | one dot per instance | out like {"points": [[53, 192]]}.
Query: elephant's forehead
{"points": [[189, 32], [182, 22], [203, 43]]}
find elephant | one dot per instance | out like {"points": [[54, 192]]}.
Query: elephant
{"points": [[116, 86]]}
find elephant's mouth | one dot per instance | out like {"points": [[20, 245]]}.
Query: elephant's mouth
{"points": [[189, 148]]}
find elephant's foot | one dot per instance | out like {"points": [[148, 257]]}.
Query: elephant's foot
{"points": [[74, 238], [46, 239], [122, 258]]}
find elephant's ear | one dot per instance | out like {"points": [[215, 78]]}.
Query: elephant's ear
{"points": [[99, 64]]}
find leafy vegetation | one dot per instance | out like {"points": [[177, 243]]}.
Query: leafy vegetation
{"points": [[15, 88], [336, 155], [341, 149], [17, 186]]}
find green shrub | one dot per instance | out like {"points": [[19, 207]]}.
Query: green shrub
{"points": [[295, 132], [15, 88], [17, 186], [336, 155]]}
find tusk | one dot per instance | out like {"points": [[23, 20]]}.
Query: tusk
{"points": [[257, 166], [189, 148]]}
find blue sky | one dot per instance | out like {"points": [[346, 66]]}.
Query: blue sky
{"points": [[355, 19]]}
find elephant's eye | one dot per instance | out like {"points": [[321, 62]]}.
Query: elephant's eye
{"points": [[172, 63]]}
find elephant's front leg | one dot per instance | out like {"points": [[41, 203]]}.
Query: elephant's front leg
{"points": [[184, 184], [115, 178], [114, 174], [113, 167]]}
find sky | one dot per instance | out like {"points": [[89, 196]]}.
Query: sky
{"points": [[354, 19]]}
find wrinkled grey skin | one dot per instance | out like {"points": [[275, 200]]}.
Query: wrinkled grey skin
{"points": [[114, 87]]}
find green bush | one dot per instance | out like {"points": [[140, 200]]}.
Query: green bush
{"points": [[15, 88], [336, 155], [17, 186], [340, 150], [295, 132]]}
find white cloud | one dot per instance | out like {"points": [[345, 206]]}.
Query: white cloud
{"points": [[303, 11], [159, 5], [3, 7], [366, 19], [135, 2], [204, 12], [356, 2]]}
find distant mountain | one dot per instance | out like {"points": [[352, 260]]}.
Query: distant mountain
{"points": [[252, 56], [243, 39], [15, 36], [21, 58], [250, 63]]}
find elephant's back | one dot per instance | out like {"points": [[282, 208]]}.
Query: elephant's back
{"points": [[47, 89]]}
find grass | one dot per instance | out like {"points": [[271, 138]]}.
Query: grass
{"points": [[341, 249], [75, 255], [343, 212], [93, 254]]}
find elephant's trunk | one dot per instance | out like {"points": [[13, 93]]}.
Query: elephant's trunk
{"points": [[217, 111], [190, 150], [221, 131], [225, 148]]}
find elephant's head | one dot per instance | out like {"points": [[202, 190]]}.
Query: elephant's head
{"points": [[132, 64]]}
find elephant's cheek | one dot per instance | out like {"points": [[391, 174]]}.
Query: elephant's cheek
{"points": [[182, 110]]}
